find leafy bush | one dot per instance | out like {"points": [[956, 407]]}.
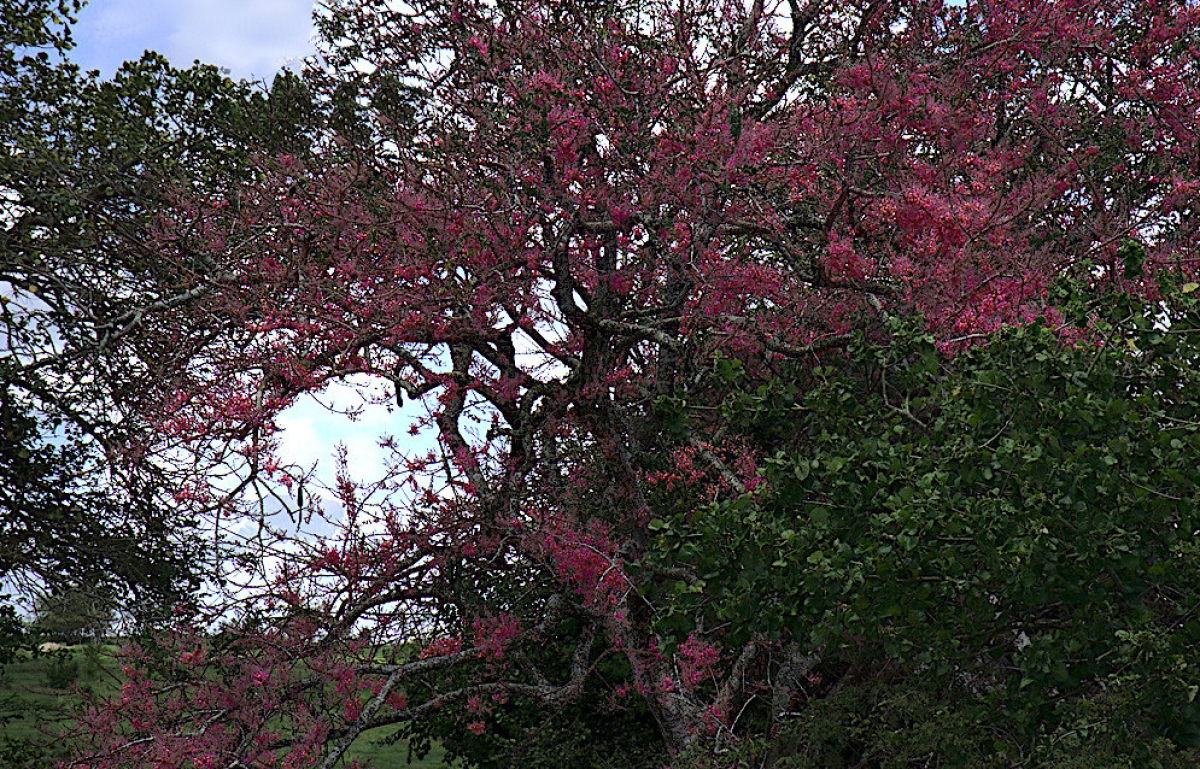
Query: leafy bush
{"points": [[993, 555], [63, 671]]}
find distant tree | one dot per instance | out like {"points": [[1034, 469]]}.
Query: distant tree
{"points": [[73, 617], [88, 168], [12, 632]]}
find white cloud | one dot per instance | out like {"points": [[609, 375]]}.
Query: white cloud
{"points": [[313, 427], [253, 38], [113, 31]]}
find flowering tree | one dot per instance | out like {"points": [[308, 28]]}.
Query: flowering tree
{"points": [[546, 223]]}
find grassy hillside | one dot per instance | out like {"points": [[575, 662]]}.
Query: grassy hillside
{"points": [[37, 692]]}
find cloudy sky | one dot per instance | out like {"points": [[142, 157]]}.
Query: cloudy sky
{"points": [[253, 38]]}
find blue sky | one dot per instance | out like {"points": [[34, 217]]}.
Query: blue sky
{"points": [[253, 38]]}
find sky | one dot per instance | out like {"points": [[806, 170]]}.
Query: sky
{"points": [[252, 38]]}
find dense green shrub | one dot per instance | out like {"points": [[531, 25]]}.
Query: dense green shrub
{"points": [[993, 554]]}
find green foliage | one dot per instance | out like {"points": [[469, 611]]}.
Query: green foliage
{"points": [[999, 542], [12, 633], [87, 169], [525, 736], [73, 617], [26, 753], [891, 725], [62, 672], [596, 729]]}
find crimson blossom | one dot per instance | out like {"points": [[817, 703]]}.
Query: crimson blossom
{"points": [[540, 221]]}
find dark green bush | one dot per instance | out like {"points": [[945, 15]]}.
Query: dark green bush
{"points": [[63, 671]]}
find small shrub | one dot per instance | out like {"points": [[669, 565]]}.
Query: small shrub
{"points": [[62, 672]]}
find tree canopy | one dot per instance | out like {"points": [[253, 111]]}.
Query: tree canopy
{"points": [[812, 386], [87, 166]]}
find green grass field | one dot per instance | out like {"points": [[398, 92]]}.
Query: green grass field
{"points": [[372, 752], [36, 695]]}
